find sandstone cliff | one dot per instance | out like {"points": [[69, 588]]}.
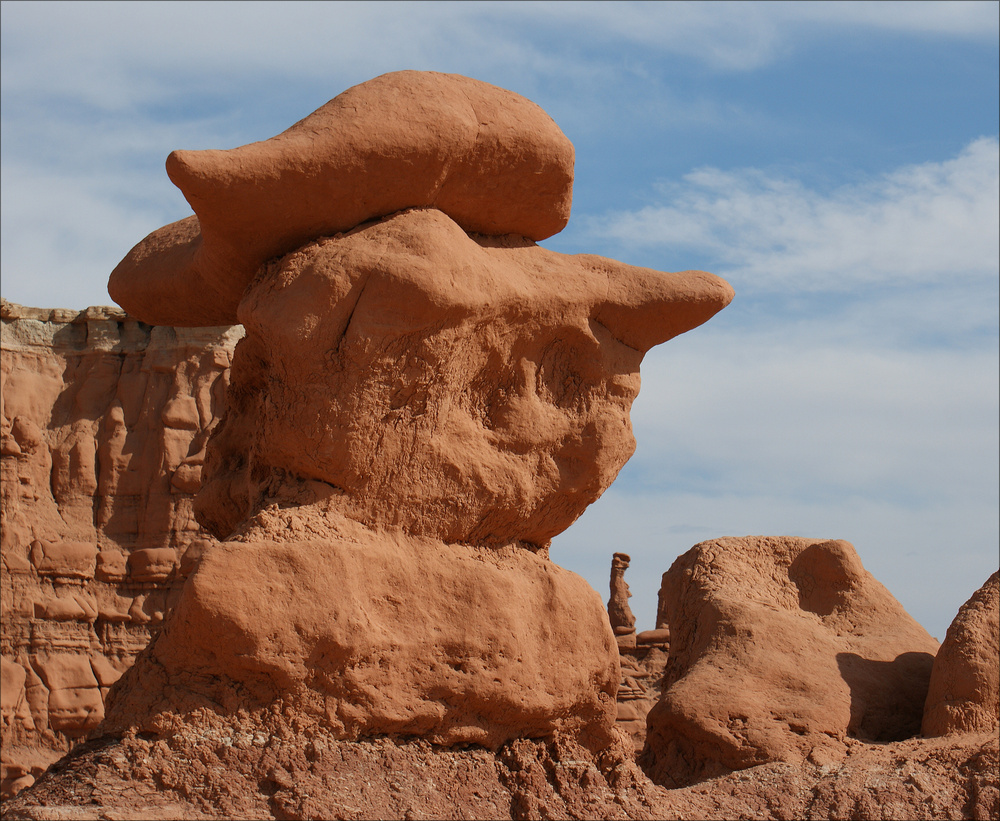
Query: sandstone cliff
{"points": [[104, 421]]}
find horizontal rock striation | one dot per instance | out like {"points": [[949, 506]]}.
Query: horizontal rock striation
{"points": [[102, 434]]}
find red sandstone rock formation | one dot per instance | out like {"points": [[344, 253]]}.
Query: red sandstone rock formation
{"points": [[415, 411], [387, 635], [466, 388], [641, 664], [964, 691], [102, 433], [780, 650], [619, 612]]}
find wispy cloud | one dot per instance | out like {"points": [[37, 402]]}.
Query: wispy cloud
{"points": [[922, 223], [807, 419], [967, 19], [112, 55], [743, 36]]}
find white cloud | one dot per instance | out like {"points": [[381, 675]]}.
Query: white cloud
{"points": [[113, 55], [742, 36], [805, 419], [65, 262], [932, 222], [971, 19]]}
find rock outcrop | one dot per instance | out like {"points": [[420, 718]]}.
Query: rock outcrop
{"points": [[641, 664], [466, 388], [780, 650], [964, 691], [102, 434], [371, 636], [619, 612], [424, 397]]}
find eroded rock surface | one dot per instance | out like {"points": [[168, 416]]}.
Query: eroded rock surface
{"points": [[262, 768], [466, 388], [100, 414], [780, 649], [964, 690], [369, 636]]}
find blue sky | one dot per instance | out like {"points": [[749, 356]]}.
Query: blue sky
{"points": [[837, 162]]}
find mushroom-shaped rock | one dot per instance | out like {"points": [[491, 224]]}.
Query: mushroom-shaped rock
{"points": [[423, 399], [492, 160], [964, 691], [780, 648]]}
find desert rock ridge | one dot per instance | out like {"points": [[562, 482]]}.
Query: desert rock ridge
{"points": [[103, 425]]}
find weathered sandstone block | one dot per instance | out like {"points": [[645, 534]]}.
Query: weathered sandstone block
{"points": [[152, 564], [66, 559], [75, 704], [381, 633], [964, 691], [779, 649]]}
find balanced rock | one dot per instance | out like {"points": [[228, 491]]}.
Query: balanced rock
{"points": [[780, 649], [422, 400], [964, 691], [619, 612], [490, 159]]}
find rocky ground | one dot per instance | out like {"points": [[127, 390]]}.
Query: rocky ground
{"points": [[259, 772]]}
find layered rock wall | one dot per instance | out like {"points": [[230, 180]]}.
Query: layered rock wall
{"points": [[104, 423]]}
